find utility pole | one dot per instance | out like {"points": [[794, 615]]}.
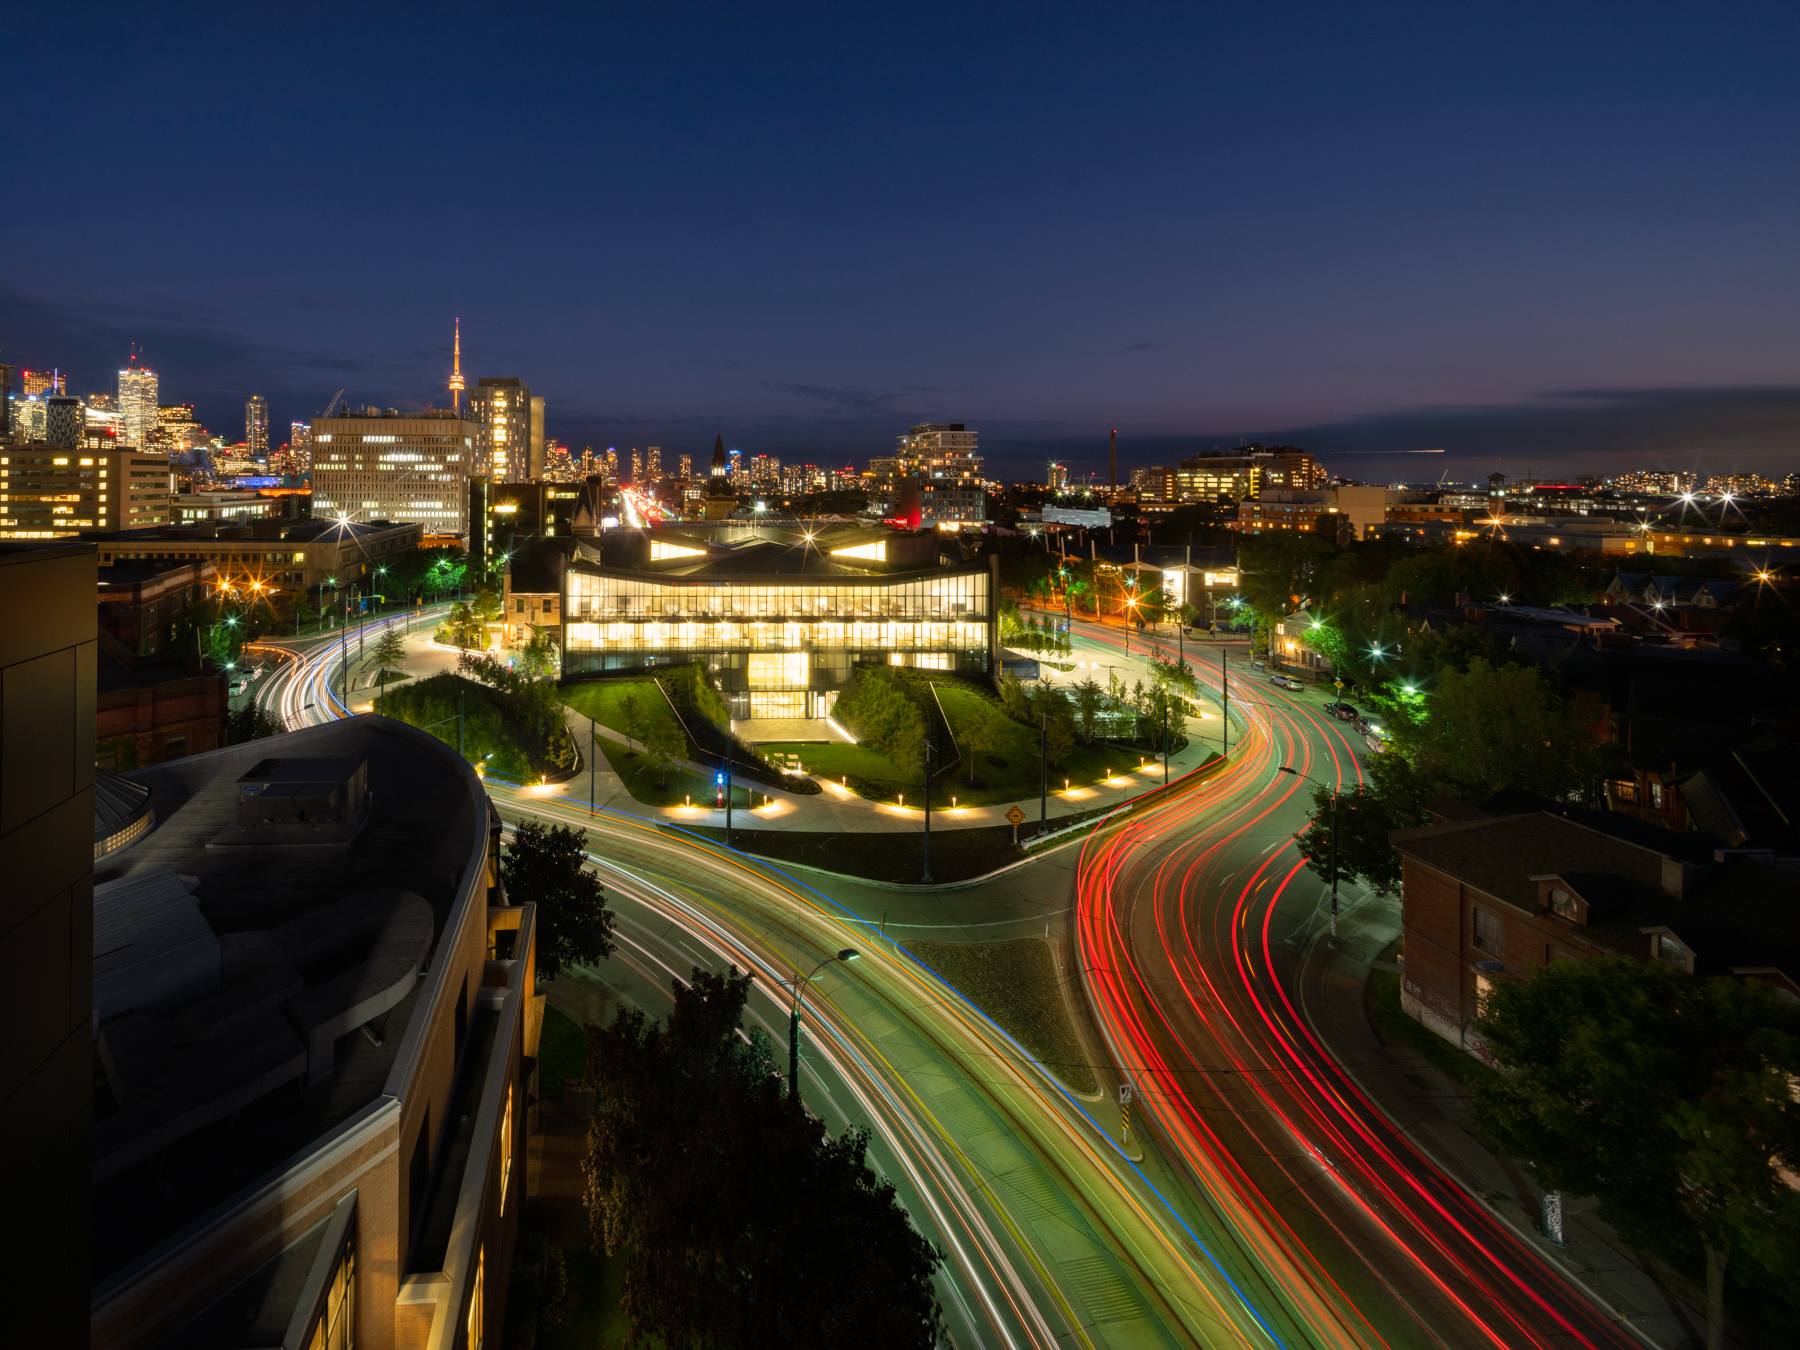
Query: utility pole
{"points": [[1165, 738], [1225, 708], [1044, 776], [1333, 944], [728, 795], [593, 754]]}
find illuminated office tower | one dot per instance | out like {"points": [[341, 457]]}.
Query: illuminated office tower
{"points": [[256, 427], [687, 466], [403, 468], [28, 417], [43, 383], [137, 401], [654, 463], [637, 467], [178, 431], [502, 408], [612, 465]]}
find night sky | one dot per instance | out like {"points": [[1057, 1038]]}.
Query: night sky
{"points": [[1552, 239]]}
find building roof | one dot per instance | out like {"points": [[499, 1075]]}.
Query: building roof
{"points": [[219, 1073], [1499, 855]]}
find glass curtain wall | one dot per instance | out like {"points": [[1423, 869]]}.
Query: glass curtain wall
{"points": [[771, 639]]}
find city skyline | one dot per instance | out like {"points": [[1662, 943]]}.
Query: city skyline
{"points": [[1521, 246]]}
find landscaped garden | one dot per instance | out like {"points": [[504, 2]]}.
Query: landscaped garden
{"points": [[985, 750], [510, 724], [652, 786]]}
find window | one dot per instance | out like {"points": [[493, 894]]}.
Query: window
{"points": [[1673, 950], [506, 1148], [1562, 903], [1625, 790], [1487, 932], [1656, 795], [518, 606], [337, 1324], [475, 1300]]}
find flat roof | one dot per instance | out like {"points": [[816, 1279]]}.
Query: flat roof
{"points": [[424, 823]]}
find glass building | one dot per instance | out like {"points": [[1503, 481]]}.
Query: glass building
{"points": [[779, 615]]}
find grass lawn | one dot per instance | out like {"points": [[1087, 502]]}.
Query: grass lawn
{"points": [[641, 780], [956, 855], [1016, 983], [392, 677], [603, 700], [1016, 775], [837, 761], [562, 1053], [592, 1318]]}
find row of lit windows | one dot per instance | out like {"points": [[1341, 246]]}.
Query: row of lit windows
{"points": [[772, 636], [961, 595]]}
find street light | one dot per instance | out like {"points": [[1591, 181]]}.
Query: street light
{"points": [[1333, 943], [847, 955]]}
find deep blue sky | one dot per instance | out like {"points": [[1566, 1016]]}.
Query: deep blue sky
{"points": [[1553, 238]]}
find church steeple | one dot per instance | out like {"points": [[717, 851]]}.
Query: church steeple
{"points": [[719, 465]]}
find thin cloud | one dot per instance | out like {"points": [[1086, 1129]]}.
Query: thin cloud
{"points": [[852, 400]]}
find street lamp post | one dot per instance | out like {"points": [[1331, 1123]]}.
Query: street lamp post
{"points": [[1044, 776], [847, 955], [1335, 795]]}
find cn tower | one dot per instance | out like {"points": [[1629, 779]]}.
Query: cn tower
{"points": [[456, 379]]}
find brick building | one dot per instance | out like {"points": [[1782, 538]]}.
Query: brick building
{"points": [[1491, 895], [140, 605], [150, 709]]}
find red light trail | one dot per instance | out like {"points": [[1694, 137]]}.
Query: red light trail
{"points": [[1193, 988]]}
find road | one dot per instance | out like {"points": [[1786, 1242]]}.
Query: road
{"points": [[1280, 1206], [1196, 925]]}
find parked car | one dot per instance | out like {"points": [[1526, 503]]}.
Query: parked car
{"points": [[1286, 682], [1344, 712], [240, 686]]}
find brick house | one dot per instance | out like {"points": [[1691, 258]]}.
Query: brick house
{"points": [[1489, 896]]}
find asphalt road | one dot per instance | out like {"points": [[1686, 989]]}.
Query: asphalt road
{"points": [[1198, 932]]}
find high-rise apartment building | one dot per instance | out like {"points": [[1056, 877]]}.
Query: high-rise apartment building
{"points": [[687, 466], [256, 427], [534, 465], [48, 491], [299, 451], [45, 382], [65, 420], [942, 458], [385, 466], [138, 401], [502, 409], [637, 468], [654, 464]]}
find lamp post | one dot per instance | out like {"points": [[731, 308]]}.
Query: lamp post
{"points": [[1044, 776], [1333, 943], [847, 955]]}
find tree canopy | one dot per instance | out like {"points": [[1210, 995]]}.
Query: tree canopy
{"points": [[543, 865], [1671, 1099], [740, 1221]]}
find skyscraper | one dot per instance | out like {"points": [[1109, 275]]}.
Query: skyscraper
{"points": [[299, 447], [256, 427], [637, 467], [137, 401], [65, 421], [654, 464], [45, 382], [6, 399], [687, 466], [944, 458], [502, 406], [178, 431], [534, 465]]}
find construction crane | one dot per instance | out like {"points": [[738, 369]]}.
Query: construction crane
{"points": [[331, 407]]}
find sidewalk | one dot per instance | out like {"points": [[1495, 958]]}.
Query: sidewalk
{"points": [[1431, 1110]]}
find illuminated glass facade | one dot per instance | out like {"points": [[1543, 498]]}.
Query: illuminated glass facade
{"points": [[780, 646]]}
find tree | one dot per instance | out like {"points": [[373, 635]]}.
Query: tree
{"points": [[982, 730], [1012, 697], [738, 1220], [251, 723], [666, 748], [1058, 740], [1089, 699], [631, 713], [543, 865], [489, 605], [389, 652], [539, 655], [1389, 800], [1668, 1098]]}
